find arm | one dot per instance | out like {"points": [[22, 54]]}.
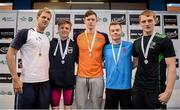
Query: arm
{"points": [[171, 78], [135, 62], [10, 56]]}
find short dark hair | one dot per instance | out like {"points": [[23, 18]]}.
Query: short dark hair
{"points": [[115, 23], [89, 12]]}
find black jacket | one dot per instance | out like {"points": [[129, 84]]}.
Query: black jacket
{"points": [[62, 75]]}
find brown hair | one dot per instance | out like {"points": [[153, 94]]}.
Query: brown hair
{"points": [[89, 12], [148, 13], [45, 9], [115, 23], [64, 21]]}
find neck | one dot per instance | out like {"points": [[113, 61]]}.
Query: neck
{"points": [[147, 33], [90, 30], [64, 38], [40, 30], [116, 41]]}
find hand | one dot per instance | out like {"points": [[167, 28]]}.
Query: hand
{"points": [[164, 97], [17, 84]]}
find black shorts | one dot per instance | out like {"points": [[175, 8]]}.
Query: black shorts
{"points": [[35, 96], [146, 100]]}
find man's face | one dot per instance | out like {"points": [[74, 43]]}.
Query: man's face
{"points": [[43, 20], [90, 22], [147, 23], [115, 32], [64, 30]]}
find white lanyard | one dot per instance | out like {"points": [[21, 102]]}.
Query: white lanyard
{"points": [[90, 46], [39, 40], [66, 48], [63, 54], [119, 52], [145, 53]]}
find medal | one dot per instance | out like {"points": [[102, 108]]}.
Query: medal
{"points": [[145, 52], [90, 45], [89, 54], [146, 61], [63, 54], [39, 40], [119, 51], [62, 61]]}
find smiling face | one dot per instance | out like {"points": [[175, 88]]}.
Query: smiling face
{"points": [[64, 28], [64, 31], [115, 32]]}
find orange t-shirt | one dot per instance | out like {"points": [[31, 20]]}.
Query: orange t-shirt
{"points": [[90, 66]]}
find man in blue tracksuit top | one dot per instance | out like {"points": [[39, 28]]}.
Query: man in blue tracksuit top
{"points": [[118, 65]]}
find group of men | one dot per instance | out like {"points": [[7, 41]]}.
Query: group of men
{"points": [[49, 66]]}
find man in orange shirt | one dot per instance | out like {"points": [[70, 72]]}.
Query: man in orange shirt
{"points": [[90, 81]]}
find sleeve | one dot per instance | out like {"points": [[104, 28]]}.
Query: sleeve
{"points": [[76, 47], [20, 39], [103, 55], [168, 48], [76, 52], [134, 51], [106, 37], [51, 64]]}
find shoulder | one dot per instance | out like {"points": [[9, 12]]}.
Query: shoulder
{"points": [[107, 46], [127, 42], [54, 40], [159, 35], [78, 35], [105, 36], [23, 32]]}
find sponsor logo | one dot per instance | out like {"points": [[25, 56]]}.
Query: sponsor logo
{"points": [[3, 49], [61, 16], [119, 17], [134, 34], [158, 20], [172, 33], [3, 62], [8, 19], [79, 19], [6, 33], [123, 34], [134, 19], [5, 78], [70, 49], [20, 63], [177, 77], [6, 92], [170, 20], [24, 19], [104, 19], [177, 63], [47, 33]]}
